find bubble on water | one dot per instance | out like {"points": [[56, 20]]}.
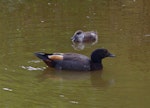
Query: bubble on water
{"points": [[87, 17], [49, 3], [146, 35], [62, 96], [6, 68], [74, 102], [123, 5], [42, 21], [94, 13], [7, 89], [18, 29]]}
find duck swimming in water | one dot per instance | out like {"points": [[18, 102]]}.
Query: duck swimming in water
{"points": [[75, 61], [86, 37]]}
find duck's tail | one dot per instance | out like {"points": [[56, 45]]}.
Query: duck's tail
{"points": [[42, 55]]}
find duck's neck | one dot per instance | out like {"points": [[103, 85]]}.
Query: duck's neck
{"points": [[96, 66]]}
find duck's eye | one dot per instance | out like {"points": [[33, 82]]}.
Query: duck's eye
{"points": [[105, 51]]}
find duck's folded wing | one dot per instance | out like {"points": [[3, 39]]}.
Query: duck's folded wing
{"points": [[75, 57], [73, 61]]}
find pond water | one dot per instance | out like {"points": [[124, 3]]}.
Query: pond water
{"points": [[29, 26]]}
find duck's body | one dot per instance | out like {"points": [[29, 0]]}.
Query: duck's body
{"points": [[80, 36], [74, 61]]}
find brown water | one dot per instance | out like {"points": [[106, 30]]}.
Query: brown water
{"points": [[28, 26]]}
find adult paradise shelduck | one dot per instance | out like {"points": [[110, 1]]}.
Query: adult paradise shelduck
{"points": [[74, 61], [85, 37]]}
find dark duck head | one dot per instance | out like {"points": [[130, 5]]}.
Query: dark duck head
{"points": [[74, 61], [97, 56]]}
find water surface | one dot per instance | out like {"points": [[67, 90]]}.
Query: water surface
{"points": [[29, 26]]}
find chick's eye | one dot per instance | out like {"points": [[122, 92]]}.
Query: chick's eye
{"points": [[78, 33]]}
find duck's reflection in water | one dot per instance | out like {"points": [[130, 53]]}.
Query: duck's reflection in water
{"points": [[98, 81], [50, 73], [95, 77]]}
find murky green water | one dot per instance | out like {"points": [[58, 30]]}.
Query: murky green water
{"points": [[28, 26]]}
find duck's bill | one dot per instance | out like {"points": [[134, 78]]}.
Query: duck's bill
{"points": [[111, 55]]}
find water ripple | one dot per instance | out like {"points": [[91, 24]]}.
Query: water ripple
{"points": [[30, 68], [34, 61]]}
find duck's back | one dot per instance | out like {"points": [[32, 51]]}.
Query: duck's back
{"points": [[73, 61]]}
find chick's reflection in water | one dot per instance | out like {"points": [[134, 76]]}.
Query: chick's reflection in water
{"points": [[81, 46]]}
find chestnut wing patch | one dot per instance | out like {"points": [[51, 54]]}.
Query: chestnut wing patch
{"points": [[56, 57]]}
